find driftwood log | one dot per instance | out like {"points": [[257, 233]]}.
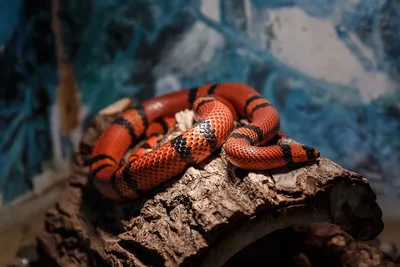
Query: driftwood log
{"points": [[203, 218], [316, 244]]}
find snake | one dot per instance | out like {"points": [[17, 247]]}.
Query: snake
{"points": [[217, 106]]}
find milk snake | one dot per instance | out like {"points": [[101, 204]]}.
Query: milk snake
{"points": [[217, 106]]}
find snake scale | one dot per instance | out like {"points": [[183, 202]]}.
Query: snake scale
{"points": [[217, 107]]}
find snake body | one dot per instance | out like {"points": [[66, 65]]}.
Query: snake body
{"points": [[217, 107]]}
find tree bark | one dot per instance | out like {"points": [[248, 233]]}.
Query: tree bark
{"points": [[316, 244], [203, 218]]}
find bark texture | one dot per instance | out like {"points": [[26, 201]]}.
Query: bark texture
{"points": [[202, 218], [311, 245]]}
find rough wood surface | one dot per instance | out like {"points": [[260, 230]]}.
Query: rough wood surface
{"points": [[202, 218], [316, 244]]}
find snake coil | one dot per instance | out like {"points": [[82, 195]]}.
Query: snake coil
{"points": [[217, 106]]}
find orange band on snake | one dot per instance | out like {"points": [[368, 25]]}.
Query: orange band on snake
{"points": [[217, 106]]}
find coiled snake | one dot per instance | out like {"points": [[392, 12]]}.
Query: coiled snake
{"points": [[217, 106]]}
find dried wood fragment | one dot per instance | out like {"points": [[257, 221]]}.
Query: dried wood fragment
{"points": [[204, 217]]}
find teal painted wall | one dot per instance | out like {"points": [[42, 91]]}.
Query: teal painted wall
{"points": [[330, 67]]}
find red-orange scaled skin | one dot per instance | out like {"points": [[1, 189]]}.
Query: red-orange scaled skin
{"points": [[217, 106]]}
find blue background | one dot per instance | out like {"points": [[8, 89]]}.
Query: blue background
{"points": [[331, 68]]}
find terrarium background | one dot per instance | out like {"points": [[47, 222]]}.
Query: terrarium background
{"points": [[330, 67]]}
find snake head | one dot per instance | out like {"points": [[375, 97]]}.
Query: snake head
{"points": [[311, 153], [302, 153], [316, 154]]}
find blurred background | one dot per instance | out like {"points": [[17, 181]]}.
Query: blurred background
{"points": [[330, 67]]}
